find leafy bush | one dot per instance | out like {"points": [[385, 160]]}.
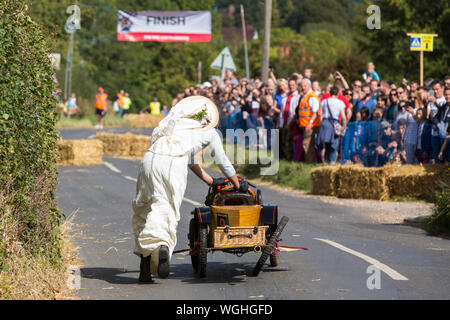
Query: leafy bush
{"points": [[439, 222], [28, 214]]}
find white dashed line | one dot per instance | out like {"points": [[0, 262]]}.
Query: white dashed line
{"points": [[111, 167], [195, 203], [389, 271]]}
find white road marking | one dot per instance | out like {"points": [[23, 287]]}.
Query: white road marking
{"points": [[195, 203], [389, 271], [111, 167]]}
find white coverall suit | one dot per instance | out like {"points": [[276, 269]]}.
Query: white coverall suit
{"points": [[163, 173]]}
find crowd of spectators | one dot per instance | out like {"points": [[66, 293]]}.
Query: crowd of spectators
{"points": [[371, 121]]}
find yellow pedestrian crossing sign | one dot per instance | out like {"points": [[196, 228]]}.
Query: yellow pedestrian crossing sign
{"points": [[421, 42]]}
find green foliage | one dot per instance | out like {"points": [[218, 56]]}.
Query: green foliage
{"points": [[389, 46], [319, 49], [145, 69], [28, 137], [440, 220], [151, 69], [307, 11]]}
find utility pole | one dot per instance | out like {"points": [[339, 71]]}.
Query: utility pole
{"points": [[244, 31], [71, 25], [266, 40], [199, 72], [68, 81]]}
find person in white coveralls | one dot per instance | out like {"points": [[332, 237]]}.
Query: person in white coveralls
{"points": [[188, 128]]}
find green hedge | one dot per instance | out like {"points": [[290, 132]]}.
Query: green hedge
{"points": [[28, 213], [439, 222]]}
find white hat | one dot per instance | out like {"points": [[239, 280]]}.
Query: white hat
{"points": [[206, 84], [192, 105], [188, 118]]}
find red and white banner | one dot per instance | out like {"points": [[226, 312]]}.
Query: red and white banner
{"points": [[164, 26]]}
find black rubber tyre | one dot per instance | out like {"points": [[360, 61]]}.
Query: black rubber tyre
{"points": [[274, 259], [268, 249], [203, 251], [193, 237]]}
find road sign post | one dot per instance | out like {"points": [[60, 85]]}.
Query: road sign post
{"points": [[223, 62], [421, 42]]}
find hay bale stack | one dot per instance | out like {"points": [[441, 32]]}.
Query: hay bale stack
{"points": [[139, 145], [416, 181], [358, 182], [324, 180], [145, 120], [126, 144], [79, 152], [115, 144]]}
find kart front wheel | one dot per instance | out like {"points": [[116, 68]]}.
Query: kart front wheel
{"points": [[269, 249]]}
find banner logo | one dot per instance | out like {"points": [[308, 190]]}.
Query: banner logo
{"points": [[164, 26]]}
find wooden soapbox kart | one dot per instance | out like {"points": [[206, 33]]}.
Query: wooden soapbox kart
{"points": [[234, 222]]}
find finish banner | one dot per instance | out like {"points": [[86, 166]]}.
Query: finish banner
{"points": [[164, 26]]}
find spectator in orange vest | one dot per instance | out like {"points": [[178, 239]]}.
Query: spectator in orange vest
{"points": [[100, 107], [308, 117], [121, 102]]}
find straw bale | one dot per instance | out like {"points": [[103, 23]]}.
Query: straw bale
{"points": [[324, 180], [416, 181], [358, 182], [126, 144], [79, 152], [145, 120], [115, 144], [139, 145]]}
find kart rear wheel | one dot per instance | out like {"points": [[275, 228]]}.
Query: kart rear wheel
{"points": [[270, 247], [203, 251], [193, 238]]}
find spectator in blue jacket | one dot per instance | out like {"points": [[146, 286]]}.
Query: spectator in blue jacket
{"points": [[423, 137], [441, 121], [370, 73]]}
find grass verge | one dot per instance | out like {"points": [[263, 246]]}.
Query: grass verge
{"points": [[27, 276], [90, 121]]}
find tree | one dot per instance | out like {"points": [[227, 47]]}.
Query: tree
{"points": [[388, 47], [307, 11]]}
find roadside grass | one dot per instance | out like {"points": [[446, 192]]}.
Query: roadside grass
{"points": [[295, 175], [89, 121], [27, 276]]}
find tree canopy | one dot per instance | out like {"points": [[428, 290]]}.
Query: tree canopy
{"points": [[324, 35]]}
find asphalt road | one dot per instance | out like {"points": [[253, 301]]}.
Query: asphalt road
{"points": [[343, 247]]}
